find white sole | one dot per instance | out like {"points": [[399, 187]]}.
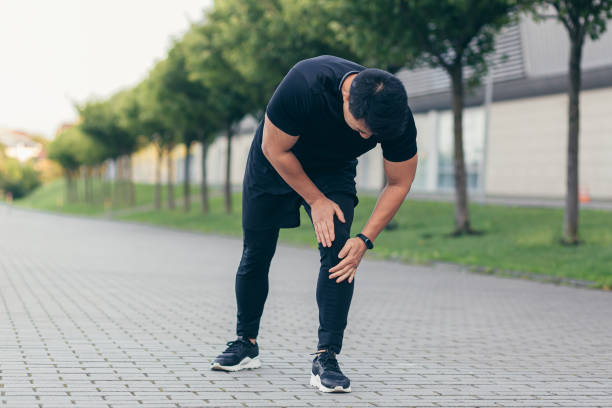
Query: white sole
{"points": [[315, 381], [246, 363]]}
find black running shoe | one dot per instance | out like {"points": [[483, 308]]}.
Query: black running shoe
{"points": [[239, 354], [326, 374]]}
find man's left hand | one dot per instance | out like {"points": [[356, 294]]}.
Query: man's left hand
{"points": [[352, 252]]}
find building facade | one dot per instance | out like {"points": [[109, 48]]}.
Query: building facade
{"points": [[517, 145], [514, 146], [19, 145]]}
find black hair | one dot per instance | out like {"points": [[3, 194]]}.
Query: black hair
{"points": [[380, 99]]}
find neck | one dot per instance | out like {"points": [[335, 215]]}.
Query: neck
{"points": [[346, 85]]}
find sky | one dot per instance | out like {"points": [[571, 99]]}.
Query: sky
{"points": [[55, 53]]}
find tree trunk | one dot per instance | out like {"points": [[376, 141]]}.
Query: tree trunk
{"points": [[462, 216], [98, 197], [106, 193], [204, 182], [228, 165], [82, 177], [91, 175], [94, 171], [158, 180], [186, 178], [68, 186], [130, 180], [86, 183], [120, 169], [75, 185], [117, 181], [570, 228], [125, 181], [170, 188]]}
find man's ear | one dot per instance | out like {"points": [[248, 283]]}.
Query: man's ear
{"points": [[345, 95]]}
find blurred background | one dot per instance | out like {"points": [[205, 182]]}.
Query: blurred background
{"points": [[146, 111]]}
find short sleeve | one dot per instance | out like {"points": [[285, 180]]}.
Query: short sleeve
{"points": [[290, 104], [403, 147]]}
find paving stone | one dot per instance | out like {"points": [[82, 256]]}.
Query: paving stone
{"points": [[98, 313]]}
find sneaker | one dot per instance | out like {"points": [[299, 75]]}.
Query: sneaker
{"points": [[239, 354], [326, 374]]}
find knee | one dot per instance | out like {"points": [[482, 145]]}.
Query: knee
{"points": [[255, 259], [329, 255]]}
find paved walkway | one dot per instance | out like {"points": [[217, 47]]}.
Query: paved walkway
{"points": [[99, 313]]}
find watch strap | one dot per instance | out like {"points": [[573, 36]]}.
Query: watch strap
{"points": [[366, 240]]}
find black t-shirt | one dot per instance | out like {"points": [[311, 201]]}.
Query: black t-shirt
{"points": [[308, 103]]}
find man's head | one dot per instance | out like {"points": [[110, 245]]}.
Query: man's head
{"points": [[375, 103]]}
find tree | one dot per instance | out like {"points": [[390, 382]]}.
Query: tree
{"points": [[155, 122], [101, 120], [263, 39], [207, 118], [230, 92], [455, 35], [194, 114], [17, 178], [73, 149], [581, 18], [89, 153], [64, 150], [140, 115], [125, 111], [244, 49]]}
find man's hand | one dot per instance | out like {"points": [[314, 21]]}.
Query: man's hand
{"points": [[352, 252], [322, 211]]}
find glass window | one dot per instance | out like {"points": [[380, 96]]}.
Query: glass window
{"points": [[473, 142]]}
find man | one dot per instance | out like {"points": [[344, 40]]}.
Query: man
{"points": [[325, 113]]}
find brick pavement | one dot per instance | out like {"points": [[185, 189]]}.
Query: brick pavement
{"points": [[98, 313]]}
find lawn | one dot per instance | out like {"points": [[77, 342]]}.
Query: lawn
{"points": [[51, 197], [524, 240]]}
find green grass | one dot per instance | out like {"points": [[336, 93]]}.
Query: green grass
{"points": [[51, 197], [526, 240]]}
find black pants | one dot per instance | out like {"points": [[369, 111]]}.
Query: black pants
{"points": [[333, 298]]}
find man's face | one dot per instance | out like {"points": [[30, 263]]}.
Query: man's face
{"points": [[357, 125]]}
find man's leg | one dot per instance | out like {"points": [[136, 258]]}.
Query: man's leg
{"points": [[334, 299], [252, 279], [251, 292]]}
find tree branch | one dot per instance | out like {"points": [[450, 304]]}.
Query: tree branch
{"points": [[547, 16]]}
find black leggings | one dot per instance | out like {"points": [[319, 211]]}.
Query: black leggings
{"points": [[333, 299]]}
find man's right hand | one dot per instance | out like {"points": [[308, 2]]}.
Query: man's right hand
{"points": [[322, 211]]}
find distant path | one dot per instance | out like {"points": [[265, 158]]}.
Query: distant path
{"points": [[100, 313]]}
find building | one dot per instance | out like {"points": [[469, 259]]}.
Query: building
{"points": [[515, 148], [518, 147], [19, 145]]}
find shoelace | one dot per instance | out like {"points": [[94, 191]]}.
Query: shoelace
{"points": [[328, 361], [235, 345]]}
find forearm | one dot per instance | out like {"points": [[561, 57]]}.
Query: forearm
{"points": [[290, 169], [389, 201]]}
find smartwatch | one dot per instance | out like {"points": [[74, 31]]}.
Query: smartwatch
{"points": [[367, 240]]}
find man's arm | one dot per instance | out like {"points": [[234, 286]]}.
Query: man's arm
{"points": [[276, 146], [400, 176]]}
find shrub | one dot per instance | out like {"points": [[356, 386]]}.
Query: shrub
{"points": [[18, 178]]}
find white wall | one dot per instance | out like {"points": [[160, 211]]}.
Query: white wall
{"points": [[546, 48], [526, 149], [528, 143]]}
